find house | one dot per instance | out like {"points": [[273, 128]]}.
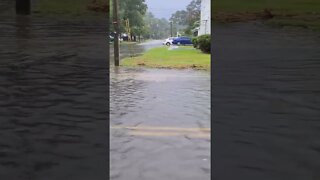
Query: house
{"points": [[205, 18]]}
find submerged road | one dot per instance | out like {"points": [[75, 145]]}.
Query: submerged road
{"points": [[160, 122]]}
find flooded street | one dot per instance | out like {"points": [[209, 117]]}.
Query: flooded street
{"points": [[160, 123], [266, 103], [53, 86], [55, 105]]}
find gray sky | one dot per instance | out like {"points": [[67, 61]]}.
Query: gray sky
{"points": [[164, 8]]}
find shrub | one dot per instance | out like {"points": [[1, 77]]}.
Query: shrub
{"points": [[195, 42], [204, 43]]}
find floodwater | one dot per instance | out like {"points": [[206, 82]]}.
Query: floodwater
{"points": [[266, 103], [53, 86], [160, 122]]}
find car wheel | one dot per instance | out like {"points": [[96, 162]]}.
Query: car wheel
{"points": [[168, 44], [178, 43]]}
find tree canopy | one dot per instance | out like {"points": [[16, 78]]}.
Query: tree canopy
{"points": [[146, 24], [156, 28], [134, 11], [189, 17]]}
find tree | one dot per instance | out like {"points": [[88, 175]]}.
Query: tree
{"points": [[155, 28], [188, 17], [179, 17], [194, 11], [134, 10]]}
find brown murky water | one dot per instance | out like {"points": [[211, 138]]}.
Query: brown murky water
{"points": [[53, 99], [160, 123], [266, 103]]}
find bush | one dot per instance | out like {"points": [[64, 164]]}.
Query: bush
{"points": [[204, 43], [195, 42]]}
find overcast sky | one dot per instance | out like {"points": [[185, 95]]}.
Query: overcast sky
{"points": [[164, 8]]}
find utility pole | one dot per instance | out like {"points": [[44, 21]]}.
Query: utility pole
{"points": [[23, 7], [205, 26], [116, 36], [171, 29]]}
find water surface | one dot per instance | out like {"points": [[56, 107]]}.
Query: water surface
{"points": [[160, 122], [266, 85], [53, 84]]}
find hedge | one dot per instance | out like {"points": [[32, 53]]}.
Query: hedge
{"points": [[204, 43], [195, 42]]}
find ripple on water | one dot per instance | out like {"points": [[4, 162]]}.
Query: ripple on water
{"points": [[52, 104], [159, 99]]}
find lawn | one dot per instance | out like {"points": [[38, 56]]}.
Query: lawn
{"points": [[177, 58], [304, 13]]}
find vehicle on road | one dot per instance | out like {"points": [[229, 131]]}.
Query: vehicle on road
{"points": [[111, 38], [182, 41], [168, 41]]}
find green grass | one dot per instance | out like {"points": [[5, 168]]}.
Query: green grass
{"points": [[180, 58], [302, 13]]}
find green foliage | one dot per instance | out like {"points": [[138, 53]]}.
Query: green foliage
{"points": [[195, 42], [204, 43], [134, 10], [188, 17], [155, 28], [180, 17], [194, 11]]}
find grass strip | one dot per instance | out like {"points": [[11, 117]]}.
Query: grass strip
{"points": [[171, 58]]}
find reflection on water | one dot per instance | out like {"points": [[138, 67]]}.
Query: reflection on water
{"points": [[53, 99], [168, 96], [266, 103], [131, 50], [160, 123]]}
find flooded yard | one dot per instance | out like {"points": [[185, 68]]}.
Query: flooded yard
{"points": [[160, 123], [54, 105]]}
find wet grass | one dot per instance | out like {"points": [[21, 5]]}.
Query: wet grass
{"points": [[302, 13], [179, 58]]}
